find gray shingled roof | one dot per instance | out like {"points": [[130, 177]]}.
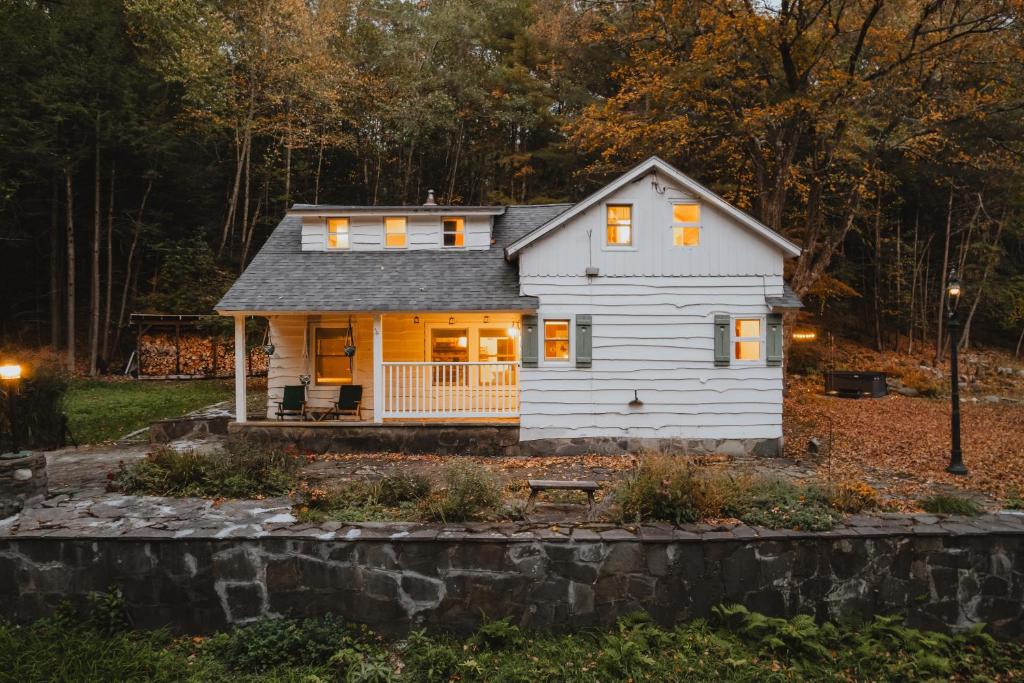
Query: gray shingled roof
{"points": [[789, 299], [282, 277]]}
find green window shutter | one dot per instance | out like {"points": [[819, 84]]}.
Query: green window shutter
{"points": [[529, 351], [773, 340], [584, 341], [722, 340]]}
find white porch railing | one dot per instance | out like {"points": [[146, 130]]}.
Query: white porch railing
{"points": [[451, 389]]}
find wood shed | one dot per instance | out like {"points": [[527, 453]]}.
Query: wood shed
{"points": [[188, 347]]}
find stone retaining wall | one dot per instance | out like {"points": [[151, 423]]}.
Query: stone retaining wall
{"points": [[945, 574], [23, 481], [416, 437]]}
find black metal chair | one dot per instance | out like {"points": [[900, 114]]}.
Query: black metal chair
{"points": [[293, 403]]}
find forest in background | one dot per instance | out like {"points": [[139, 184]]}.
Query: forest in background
{"points": [[148, 147]]}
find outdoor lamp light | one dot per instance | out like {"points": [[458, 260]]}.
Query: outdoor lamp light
{"points": [[805, 335], [10, 372], [956, 458]]}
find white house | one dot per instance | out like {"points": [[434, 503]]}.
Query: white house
{"points": [[647, 316]]}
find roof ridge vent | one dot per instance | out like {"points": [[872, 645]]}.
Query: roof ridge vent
{"points": [[430, 199]]}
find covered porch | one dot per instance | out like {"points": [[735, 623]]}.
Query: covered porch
{"points": [[410, 367]]}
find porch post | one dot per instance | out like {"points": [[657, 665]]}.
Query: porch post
{"points": [[240, 410], [378, 368]]}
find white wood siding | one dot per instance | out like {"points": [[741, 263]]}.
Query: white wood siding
{"points": [[366, 233], [726, 247], [653, 334], [293, 356]]}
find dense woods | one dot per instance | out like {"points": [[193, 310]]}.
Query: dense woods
{"points": [[148, 147]]}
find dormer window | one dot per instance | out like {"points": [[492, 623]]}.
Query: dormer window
{"points": [[686, 225], [454, 232], [395, 232], [337, 233], [620, 225]]}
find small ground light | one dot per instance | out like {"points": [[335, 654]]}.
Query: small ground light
{"points": [[11, 371]]}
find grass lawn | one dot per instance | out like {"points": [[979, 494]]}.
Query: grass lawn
{"points": [[103, 410]]}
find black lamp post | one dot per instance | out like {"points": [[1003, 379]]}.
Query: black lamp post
{"points": [[10, 374], [956, 456]]}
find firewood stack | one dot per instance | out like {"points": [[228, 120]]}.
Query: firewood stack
{"points": [[194, 355]]}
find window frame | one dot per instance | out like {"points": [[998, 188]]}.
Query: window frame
{"points": [[761, 339], [631, 245], [405, 231], [348, 233], [457, 233], [315, 379], [683, 225], [568, 340]]}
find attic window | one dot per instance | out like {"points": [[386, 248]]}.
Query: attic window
{"points": [[454, 230], [337, 233], [620, 225], [395, 233], [686, 225]]}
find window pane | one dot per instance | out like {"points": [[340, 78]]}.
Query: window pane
{"points": [[332, 365], [337, 233], [496, 345], [556, 339], [449, 345], [394, 232], [556, 350], [748, 350], [686, 213], [454, 232], [748, 328], [620, 225], [685, 237]]}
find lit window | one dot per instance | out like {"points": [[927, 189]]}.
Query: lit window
{"points": [[620, 225], [747, 339], [395, 235], [556, 340], [686, 225], [332, 365], [454, 232], [337, 233]]}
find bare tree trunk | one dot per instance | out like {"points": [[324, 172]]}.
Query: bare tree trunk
{"points": [[1020, 340], [252, 228], [242, 150], [70, 263], [319, 167], [877, 271], [94, 290], [993, 258], [899, 279], [939, 343], [110, 269], [245, 198], [129, 262], [913, 288], [55, 267], [288, 161]]}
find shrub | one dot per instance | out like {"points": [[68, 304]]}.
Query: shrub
{"points": [[949, 504], [469, 492], [669, 489], [402, 488], [781, 504], [1014, 499], [269, 643], [923, 381], [852, 497], [38, 403], [241, 469], [360, 501]]}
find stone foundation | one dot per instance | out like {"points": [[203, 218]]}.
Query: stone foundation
{"points": [[23, 481], [940, 573], [609, 445], [165, 431], [440, 438]]}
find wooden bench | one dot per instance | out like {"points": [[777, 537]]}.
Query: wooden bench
{"points": [[538, 485]]}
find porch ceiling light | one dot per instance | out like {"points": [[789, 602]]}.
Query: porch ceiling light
{"points": [[451, 320], [10, 371], [512, 331]]}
